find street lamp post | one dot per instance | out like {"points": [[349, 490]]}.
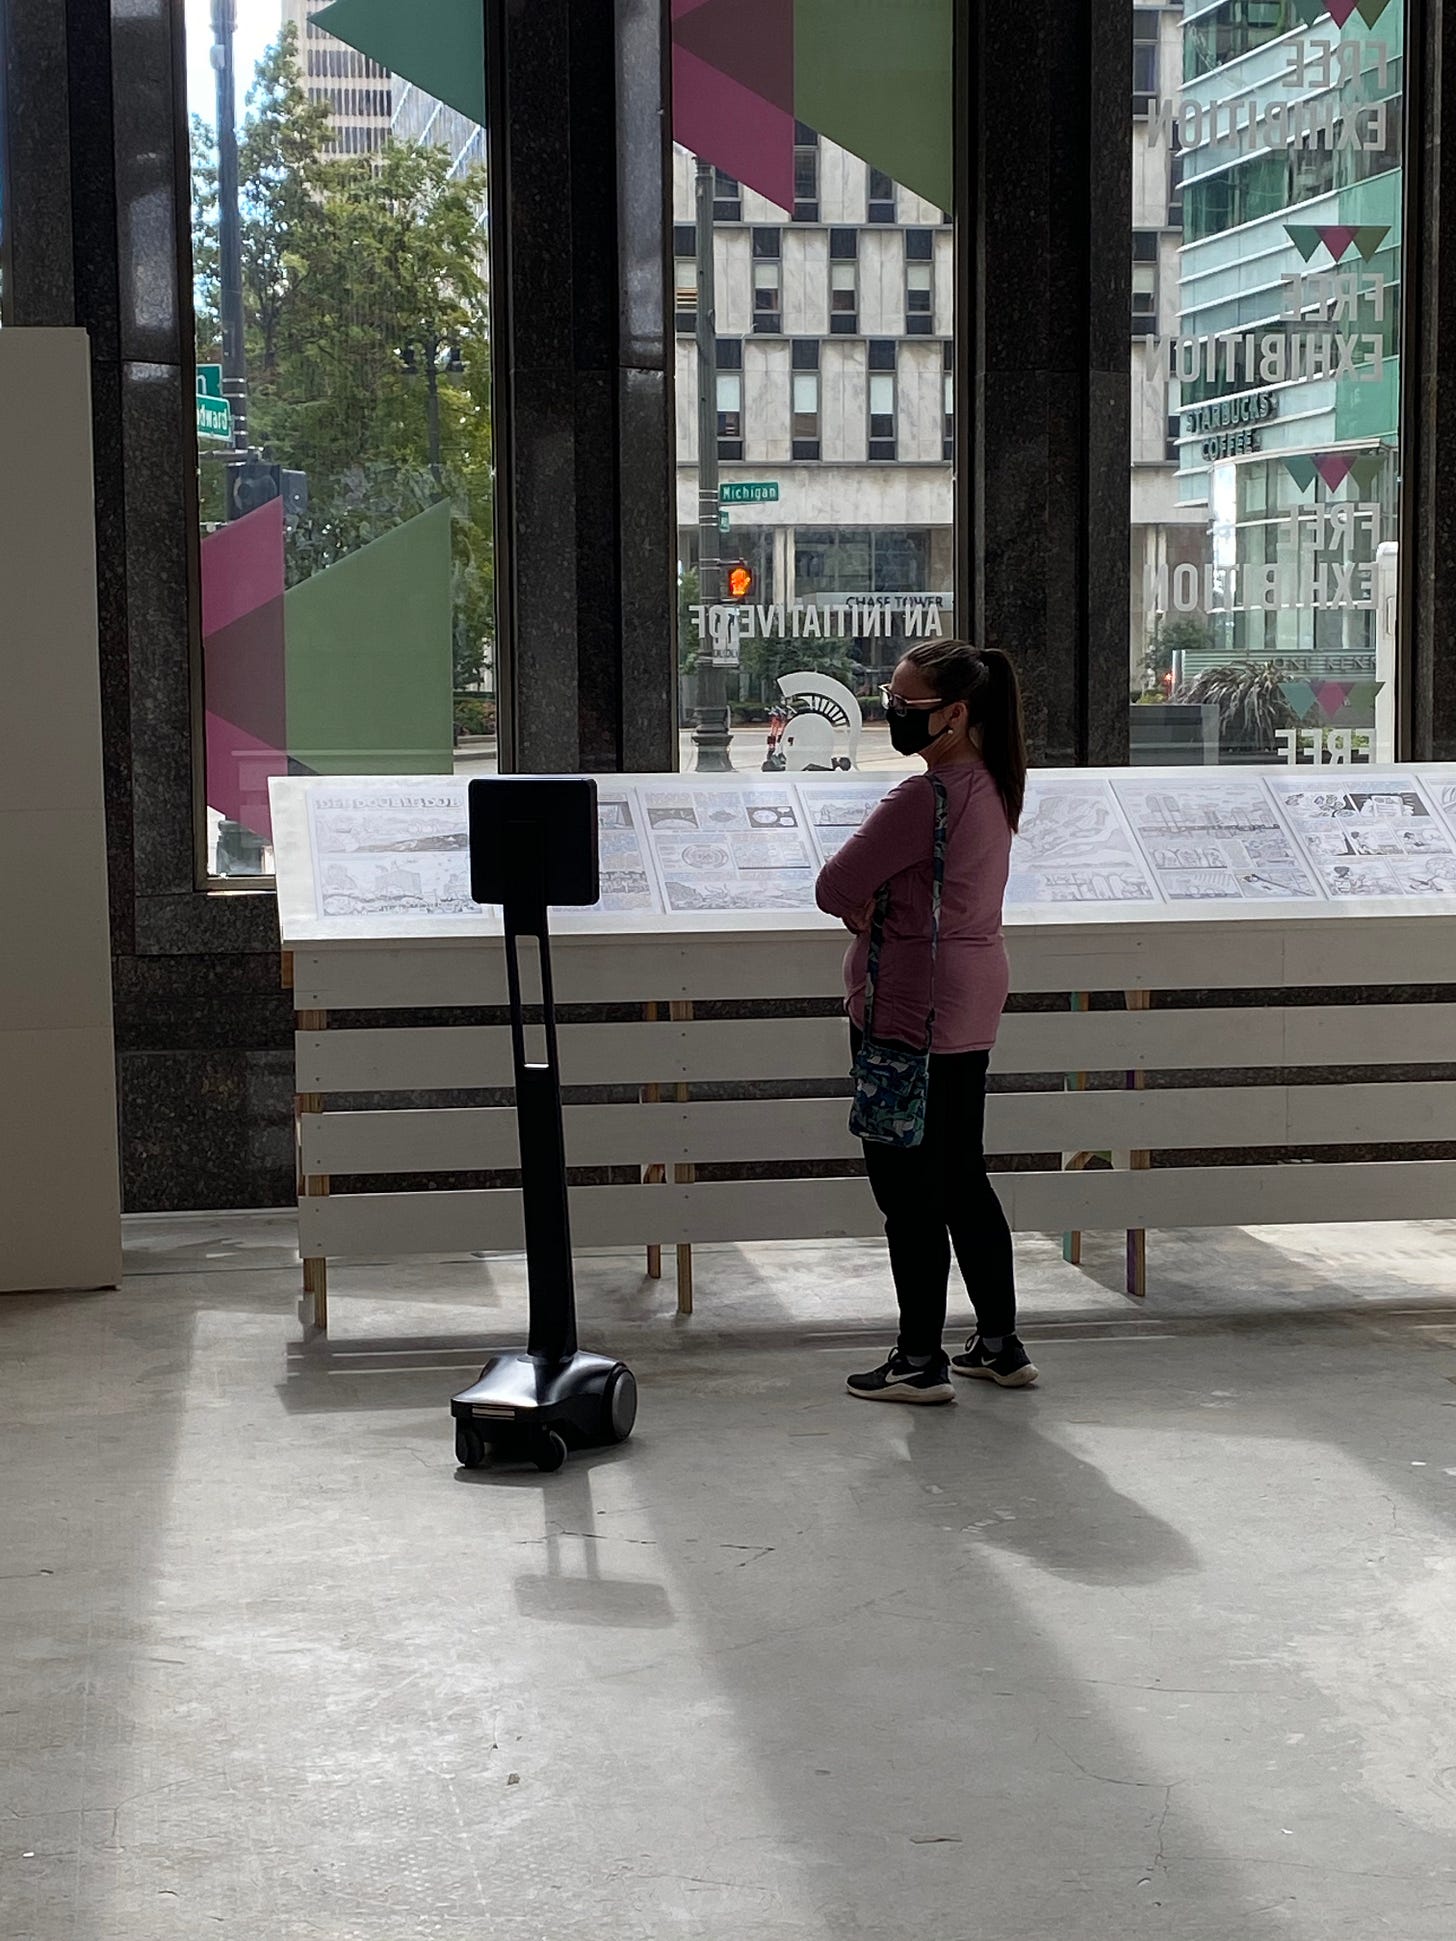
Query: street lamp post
{"points": [[429, 347], [712, 732], [229, 223]]}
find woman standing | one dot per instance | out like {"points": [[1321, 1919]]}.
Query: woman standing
{"points": [[958, 708]]}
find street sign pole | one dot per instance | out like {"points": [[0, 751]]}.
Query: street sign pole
{"points": [[712, 729]]}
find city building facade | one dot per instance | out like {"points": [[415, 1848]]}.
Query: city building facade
{"points": [[835, 328], [1165, 532], [1287, 132], [357, 91]]}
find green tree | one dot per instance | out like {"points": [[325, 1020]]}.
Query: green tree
{"points": [[1251, 702], [281, 178]]}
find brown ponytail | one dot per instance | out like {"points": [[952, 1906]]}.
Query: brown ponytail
{"points": [[985, 679]]}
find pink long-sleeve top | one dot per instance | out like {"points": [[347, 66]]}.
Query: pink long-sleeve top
{"points": [[894, 846]]}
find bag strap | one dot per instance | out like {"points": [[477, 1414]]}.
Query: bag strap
{"points": [[882, 904]]}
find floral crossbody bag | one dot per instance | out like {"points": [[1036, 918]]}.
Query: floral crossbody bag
{"points": [[891, 1081]]}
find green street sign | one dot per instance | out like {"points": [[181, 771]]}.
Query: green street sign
{"points": [[214, 418], [725, 519], [214, 412], [748, 492]]}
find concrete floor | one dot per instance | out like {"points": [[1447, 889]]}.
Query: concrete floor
{"points": [[1164, 1649]]}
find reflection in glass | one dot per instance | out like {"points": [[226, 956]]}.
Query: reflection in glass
{"points": [[1266, 261], [830, 161], [343, 413]]}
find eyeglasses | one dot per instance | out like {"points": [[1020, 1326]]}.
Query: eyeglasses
{"points": [[897, 704]]}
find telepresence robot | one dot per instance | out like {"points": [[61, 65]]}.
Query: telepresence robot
{"points": [[533, 842]]}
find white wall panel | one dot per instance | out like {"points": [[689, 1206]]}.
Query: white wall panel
{"points": [[60, 1217]]}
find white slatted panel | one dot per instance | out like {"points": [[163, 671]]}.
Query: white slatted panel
{"points": [[1317, 950], [370, 1225], [596, 970], [737, 1133], [466, 1057]]}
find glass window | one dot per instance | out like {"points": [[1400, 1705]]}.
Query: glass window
{"points": [[685, 291], [919, 299], [805, 405], [1226, 33], [832, 446], [806, 176], [343, 419], [768, 296], [882, 414], [1266, 433], [1145, 24], [730, 414], [727, 198], [843, 299]]}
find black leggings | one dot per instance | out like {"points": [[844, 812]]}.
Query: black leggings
{"points": [[936, 1196]]}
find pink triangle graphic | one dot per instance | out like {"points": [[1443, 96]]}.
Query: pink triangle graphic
{"points": [[1340, 10], [1332, 696], [1337, 238], [1334, 468]]}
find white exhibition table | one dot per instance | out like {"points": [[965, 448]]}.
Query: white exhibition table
{"points": [[1125, 885]]}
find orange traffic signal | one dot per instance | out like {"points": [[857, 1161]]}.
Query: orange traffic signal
{"points": [[740, 582]]}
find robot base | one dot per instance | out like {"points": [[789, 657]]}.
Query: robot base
{"points": [[533, 1410]]}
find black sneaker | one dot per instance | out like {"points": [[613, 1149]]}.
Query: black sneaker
{"points": [[1012, 1368], [899, 1380]]}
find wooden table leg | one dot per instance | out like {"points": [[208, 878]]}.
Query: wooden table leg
{"points": [[1137, 1239], [1075, 1082], [315, 1307], [681, 1012], [653, 1175]]}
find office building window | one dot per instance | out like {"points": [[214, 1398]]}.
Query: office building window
{"points": [[882, 416], [947, 435], [919, 282], [768, 296], [806, 174], [1144, 58], [879, 197], [919, 299], [805, 401], [727, 198], [730, 397], [684, 277], [843, 283], [1144, 299], [1227, 32]]}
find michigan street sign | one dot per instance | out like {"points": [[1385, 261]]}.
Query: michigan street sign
{"points": [[214, 413]]}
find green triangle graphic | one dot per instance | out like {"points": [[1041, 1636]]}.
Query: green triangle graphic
{"points": [[1360, 701], [1368, 239], [1366, 471], [1371, 10], [1309, 11], [437, 44], [1305, 237], [881, 86], [1299, 695], [1301, 470]]}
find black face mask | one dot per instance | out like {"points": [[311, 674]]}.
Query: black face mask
{"points": [[910, 732]]}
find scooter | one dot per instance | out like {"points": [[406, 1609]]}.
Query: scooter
{"points": [[533, 842]]}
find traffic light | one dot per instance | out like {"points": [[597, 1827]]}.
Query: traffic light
{"points": [[740, 581], [252, 483]]}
